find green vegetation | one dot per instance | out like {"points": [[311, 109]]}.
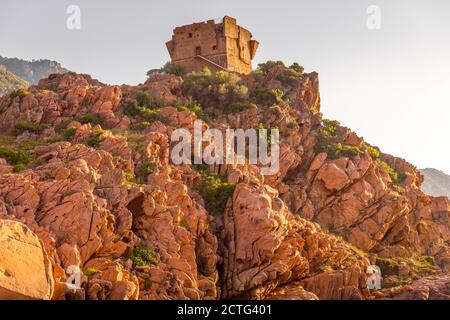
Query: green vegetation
{"points": [[19, 159], [147, 283], [184, 223], [237, 107], [297, 68], [64, 135], [216, 191], [328, 142], [419, 266], [22, 126], [374, 153], [170, 68], [288, 77], [68, 133], [146, 106], [213, 90], [174, 68], [92, 118], [141, 125], [135, 141], [193, 107], [20, 93], [266, 97], [266, 66], [142, 256], [148, 101], [395, 176], [292, 124], [325, 267], [90, 271], [94, 139], [144, 170]]}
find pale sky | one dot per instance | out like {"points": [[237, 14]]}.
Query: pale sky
{"points": [[391, 86]]}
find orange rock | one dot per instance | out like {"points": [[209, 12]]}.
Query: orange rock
{"points": [[25, 269]]}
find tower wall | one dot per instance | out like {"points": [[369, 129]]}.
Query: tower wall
{"points": [[217, 46]]}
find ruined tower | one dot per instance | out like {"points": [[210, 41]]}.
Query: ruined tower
{"points": [[217, 45]]}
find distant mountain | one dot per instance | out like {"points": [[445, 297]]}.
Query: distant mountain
{"points": [[9, 81], [32, 71], [437, 183]]}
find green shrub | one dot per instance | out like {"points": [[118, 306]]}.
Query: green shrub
{"points": [[215, 192], [193, 107], [148, 101], [135, 142], [147, 284], [347, 151], [297, 68], [144, 170], [288, 77], [174, 68], [214, 90], [392, 173], [418, 266], [64, 135], [331, 123], [19, 93], [292, 124], [92, 118], [169, 68], [61, 126], [237, 107], [266, 97], [374, 153], [68, 133], [19, 159], [94, 140], [260, 127], [328, 142], [132, 109], [22, 126], [184, 223], [146, 106], [142, 256], [266, 66], [90, 271], [141, 125], [19, 167]]}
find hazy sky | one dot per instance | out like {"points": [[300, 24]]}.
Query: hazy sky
{"points": [[392, 85]]}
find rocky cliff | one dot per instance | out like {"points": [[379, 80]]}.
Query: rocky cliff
{"points": [[10, 82], [86, 168], [437, 183], [32, 71]]}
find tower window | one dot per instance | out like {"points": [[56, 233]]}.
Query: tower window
{"points": [[198, 51], [190, 35], [214, 47]]}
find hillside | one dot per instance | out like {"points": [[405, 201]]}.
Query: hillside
{"points": [[32, 71], [9, 81], [88, 179], [437, 183]]}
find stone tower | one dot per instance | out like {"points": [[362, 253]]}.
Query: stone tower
{"points": [[218, 45]]}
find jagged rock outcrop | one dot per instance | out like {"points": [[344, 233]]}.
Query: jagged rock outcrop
{"points": [[89, 172]]}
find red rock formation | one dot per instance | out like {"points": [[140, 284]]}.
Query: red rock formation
{"points": [[303, 233]]}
